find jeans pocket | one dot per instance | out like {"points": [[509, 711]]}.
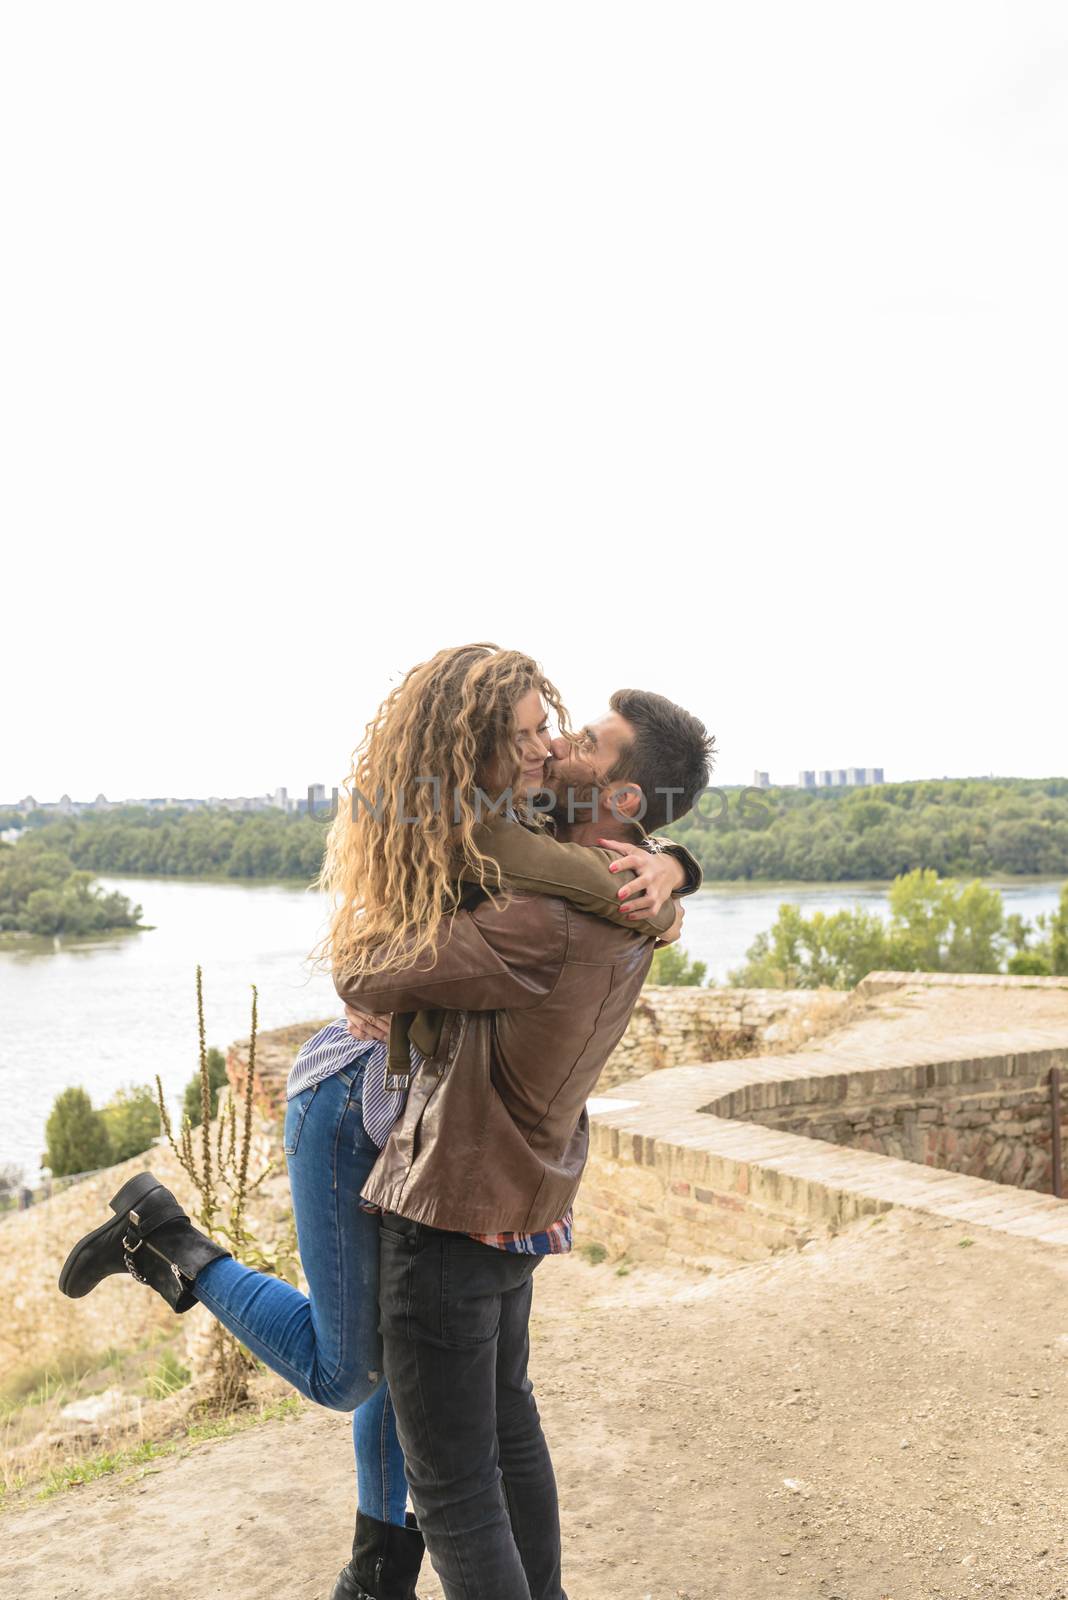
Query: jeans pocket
{"points": [[296, 1111], [471, 1288]]}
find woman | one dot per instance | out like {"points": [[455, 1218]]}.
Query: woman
{"points": [[466, 725]]}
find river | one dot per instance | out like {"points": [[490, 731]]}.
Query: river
{"points": [[120, 1009]]}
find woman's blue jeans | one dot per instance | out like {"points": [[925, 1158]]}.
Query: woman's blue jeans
{"points": [[326, 1343]]}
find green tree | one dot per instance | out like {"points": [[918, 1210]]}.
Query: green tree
{"points": [[192, 1104], [76, 1135], [131, 1117], [1059, 936], [42, 893], [938, 925], [1018, 932], [828, 949], [673, 967]]}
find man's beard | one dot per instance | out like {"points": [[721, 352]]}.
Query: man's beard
{"points": [[568, 793]]}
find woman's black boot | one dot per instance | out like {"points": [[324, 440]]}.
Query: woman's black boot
{"points": [[151, 1238], [385, 1561]]}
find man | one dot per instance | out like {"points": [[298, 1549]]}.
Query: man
{"points": [[493, 1141]]}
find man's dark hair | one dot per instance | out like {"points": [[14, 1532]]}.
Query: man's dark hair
{"points": [[670, 750]]}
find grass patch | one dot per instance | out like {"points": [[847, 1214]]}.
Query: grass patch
{"points": [[36, 1382], [166, 1377], [593, 1253], [73, 1474], [75, 1373]]}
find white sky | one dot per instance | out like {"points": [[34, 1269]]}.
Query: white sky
{"points": [[718, 349]]}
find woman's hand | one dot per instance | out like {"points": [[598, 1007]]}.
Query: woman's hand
{"points": [[676, 927], [365, 1025], [657, 876]]}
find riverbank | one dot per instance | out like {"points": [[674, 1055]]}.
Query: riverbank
{"points": [[121, 1009]]}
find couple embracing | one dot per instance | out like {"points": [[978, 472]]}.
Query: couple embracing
{"points": [[497, 895]]}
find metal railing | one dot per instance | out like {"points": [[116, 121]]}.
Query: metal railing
{"points": [[24, 1197], [1055, 1131]]}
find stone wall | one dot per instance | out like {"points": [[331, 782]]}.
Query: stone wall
{"points": [[668, 1025], [999, 1128], [275, 1053], [717, 1159]]}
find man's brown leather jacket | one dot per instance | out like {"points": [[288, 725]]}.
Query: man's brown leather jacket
{"points": [[537, 992]]}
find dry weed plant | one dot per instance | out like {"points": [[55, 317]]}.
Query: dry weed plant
{"points": [[219, 1173]]}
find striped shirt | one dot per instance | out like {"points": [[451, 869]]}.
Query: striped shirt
{"points": [[332, 1049]]}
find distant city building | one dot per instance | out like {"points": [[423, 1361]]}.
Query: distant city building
{"points": [[279, 799], [806, 780], [317, 802], [841, 777], [761, 780]]}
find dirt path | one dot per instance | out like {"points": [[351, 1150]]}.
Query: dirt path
{"points": [[881, 1416]]}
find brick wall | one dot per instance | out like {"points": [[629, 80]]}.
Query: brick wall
{"points": [[910, 1101], [275, 1053], [998, 1128], [668, 1025]]}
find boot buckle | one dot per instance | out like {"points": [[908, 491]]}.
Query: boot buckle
{"points": [[129, 1248]]}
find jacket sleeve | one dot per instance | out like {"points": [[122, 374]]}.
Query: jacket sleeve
{"points": [[500, 954], [689, 864], [536, 863]]}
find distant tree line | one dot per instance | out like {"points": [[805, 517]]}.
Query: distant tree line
{"points": [[956, 827], [194, 844]]}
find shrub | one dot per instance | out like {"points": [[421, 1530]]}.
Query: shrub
{"points": [[76, 1135], [132, 1120], [673, 967], [193, 1104], [1029, 964]]}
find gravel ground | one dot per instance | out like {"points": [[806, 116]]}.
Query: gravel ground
{"points": [[881, 1415]]}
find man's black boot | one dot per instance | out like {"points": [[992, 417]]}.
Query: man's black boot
{"points": [[385, 1561], [151, 1238]]}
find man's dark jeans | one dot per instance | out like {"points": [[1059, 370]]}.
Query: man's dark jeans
{"points": [[455, 1340]]}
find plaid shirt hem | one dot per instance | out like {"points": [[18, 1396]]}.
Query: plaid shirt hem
{"points": [[552, 1241]]}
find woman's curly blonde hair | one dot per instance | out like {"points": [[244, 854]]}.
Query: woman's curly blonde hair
{"points": [[406, 828]]}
